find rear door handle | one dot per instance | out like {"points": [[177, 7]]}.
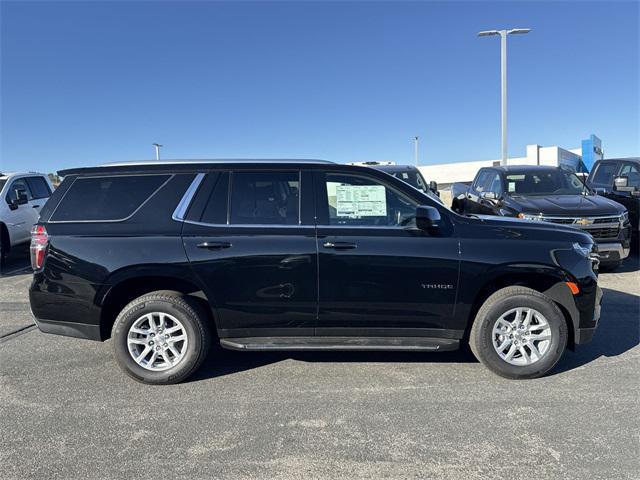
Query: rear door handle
{"points": [[339, 245], [36, 206], [214, 245]]}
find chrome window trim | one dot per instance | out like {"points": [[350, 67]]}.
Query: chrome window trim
{"points": [[248, 225], [119, 220], [181, 210]]}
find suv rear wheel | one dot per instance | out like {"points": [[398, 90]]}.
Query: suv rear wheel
{"points": [[519, 333], [161, 337]]}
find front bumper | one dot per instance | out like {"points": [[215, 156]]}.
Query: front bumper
{"points": [[585, 334], [613, 252]]}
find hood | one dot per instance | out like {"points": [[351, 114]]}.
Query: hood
{"points": [[516, 227], [569, 205]]}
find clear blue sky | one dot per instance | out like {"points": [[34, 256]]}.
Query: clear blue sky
{"points": [[90, 82]]}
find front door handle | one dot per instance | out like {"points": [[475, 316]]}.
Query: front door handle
{"points": [[339, 245], [214, 245], [36, 206]]}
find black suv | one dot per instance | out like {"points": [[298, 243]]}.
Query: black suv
{"points": [[299, 255]]}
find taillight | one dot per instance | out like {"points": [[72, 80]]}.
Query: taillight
{"points": [[39, 242]]}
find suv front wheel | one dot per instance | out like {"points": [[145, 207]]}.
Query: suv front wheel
{"points": [[519, 333], [161, 337]]}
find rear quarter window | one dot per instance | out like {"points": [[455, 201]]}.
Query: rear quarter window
{"points": [[106, 198]]}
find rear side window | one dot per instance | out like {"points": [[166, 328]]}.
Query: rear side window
{"points": [[106, 198], [39, 187], [269, 198], [604, 173]]}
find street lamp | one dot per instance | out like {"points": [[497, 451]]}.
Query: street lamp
{"points": [[503, 71], [415, 149], [157, 145]]}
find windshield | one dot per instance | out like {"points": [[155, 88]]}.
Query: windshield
{"points": [[546, 182], [412, 178]]}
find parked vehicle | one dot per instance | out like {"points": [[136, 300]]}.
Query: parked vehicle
{"points": [[412, 176], [22, 195], [548, 194], [619, 180], [166, 257]]}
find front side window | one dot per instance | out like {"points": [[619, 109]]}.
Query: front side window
{"points": [[632, 172], [19, 184], [354, 200], [265, 198], [106, 198]]}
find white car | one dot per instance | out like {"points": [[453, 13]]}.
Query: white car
{"points": [[22, 195]]}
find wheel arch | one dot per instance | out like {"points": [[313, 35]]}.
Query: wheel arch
{"points": [[550, 282], [6, 239], [126, 288]]}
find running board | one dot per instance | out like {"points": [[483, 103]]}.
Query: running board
{"points": [[340, 343]]}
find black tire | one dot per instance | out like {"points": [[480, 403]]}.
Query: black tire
{"points": [[188, 311], [481, 341]]}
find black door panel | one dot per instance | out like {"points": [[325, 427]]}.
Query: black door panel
{"points": [[259, 277]]}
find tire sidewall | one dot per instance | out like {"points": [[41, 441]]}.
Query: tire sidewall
{"points": [[175, 373], [559, 336]]}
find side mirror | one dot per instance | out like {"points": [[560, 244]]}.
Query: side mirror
{"points": [[489, 195], [21, 198], [427, 218], [621, 184], [433, 186]]}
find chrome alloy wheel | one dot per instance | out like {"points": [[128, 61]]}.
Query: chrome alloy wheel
{"points": [[157, 341], [521, 336]]}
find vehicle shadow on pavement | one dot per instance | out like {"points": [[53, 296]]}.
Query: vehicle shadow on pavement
{"points": [[618, 332], [17, 263]]}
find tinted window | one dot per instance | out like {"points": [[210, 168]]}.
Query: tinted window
{"points": [[358, 200], [412, 178], [483, 181], [210, 203], [632, 172], [265, 198], [494, 184], [39, 187], [604, 173], [106, 198], [19, 184]]}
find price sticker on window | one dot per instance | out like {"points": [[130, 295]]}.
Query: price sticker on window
{"points": [[356, 201]]}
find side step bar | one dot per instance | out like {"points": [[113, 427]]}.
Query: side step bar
{"points": [[340, 343]]}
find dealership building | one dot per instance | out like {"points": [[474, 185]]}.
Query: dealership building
{"points": [[579, 159]]}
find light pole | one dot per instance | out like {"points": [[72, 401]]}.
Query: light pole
{"points": [[503, 77], [157, 145], [415, 149]]}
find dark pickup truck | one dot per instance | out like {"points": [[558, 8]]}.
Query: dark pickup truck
{"points": [[619, 180], [549, 194]]}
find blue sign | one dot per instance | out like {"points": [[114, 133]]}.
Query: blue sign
{"points": [[591, 151]]}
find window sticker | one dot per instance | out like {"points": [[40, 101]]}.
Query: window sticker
{"points": [[356, 201], [512, 186]]}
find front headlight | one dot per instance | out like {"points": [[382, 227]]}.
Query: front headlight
{"points": [[583, 249], [526, 216], [624, 218]]}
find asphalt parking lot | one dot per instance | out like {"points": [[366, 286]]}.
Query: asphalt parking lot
{"points": [[66, 410]]}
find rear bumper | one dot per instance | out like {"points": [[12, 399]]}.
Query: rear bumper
{"points": [[69, 329]]}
